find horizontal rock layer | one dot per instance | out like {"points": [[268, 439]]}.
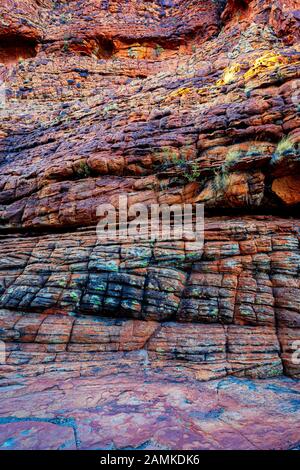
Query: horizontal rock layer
{"points": [[210, 350]]}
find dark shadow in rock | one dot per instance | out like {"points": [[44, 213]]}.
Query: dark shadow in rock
{"points": [[15, 48]]}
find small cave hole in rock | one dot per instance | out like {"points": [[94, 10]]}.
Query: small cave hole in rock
{"points": [[99, 47], [14, 48]]}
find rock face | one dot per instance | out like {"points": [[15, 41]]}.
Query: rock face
{"points": [[167, 102], [233, 308]]}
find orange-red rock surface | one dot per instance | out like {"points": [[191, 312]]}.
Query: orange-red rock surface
{"points": [[168, 101]]}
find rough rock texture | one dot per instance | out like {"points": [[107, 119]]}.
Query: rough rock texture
{"points": [[180, 101], [123, 404], [233, 308]]}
